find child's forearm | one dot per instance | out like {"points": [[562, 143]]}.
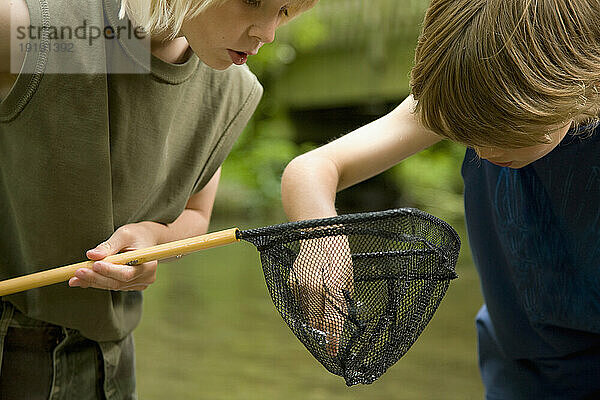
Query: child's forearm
{"points": [[194, 220], [308, 187], [189, 223]]}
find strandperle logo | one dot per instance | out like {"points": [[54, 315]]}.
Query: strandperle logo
{"points": [[80, 47], [85, 31]]}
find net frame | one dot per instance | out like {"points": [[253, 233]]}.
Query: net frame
{"points": [[402, 262]]}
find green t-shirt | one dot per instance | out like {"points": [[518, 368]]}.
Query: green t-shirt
{"points": [[82, 154]]}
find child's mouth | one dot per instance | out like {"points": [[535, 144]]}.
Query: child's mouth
{"points": [[237, 57]]}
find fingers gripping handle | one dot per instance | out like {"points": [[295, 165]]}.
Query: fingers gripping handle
{"points": [[159, 252]]}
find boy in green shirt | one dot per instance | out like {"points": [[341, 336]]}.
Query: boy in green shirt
{"points": [[124, 160]]}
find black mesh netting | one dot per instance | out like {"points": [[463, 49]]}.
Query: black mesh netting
{"points": [[358, 290]]}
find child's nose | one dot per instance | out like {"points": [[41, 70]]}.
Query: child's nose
{"points": [[265, 30]]}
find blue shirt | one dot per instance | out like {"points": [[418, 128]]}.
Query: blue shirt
{"points": [[535, 237]]}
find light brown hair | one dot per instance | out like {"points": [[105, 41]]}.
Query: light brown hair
{"points": [[501, 73]]}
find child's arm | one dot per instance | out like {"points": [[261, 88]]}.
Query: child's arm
{"points": [[192, 221], [322, 279], [310, 181]]}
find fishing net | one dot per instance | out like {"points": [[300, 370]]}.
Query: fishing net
{"points": [[357, 290]]}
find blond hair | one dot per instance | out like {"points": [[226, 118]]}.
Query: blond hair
{"points": [[502, 73], [167, 16], [163, 16]]}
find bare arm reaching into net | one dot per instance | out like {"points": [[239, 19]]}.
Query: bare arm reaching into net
{"points": [[321, 279]]}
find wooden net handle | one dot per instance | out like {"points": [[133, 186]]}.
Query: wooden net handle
{"points": [[159, 252]]}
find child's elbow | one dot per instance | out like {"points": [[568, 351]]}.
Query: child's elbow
{"points": [[311, 169], [294, 171]]}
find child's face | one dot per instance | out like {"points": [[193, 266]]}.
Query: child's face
{"points": [[228, 33], [520, 157]]}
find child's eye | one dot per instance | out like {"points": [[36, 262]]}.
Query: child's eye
{"points": [[256, 3]]}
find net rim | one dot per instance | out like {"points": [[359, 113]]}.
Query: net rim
{"points": [[248, 234]]}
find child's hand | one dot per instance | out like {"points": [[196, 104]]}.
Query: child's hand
{"points": [[104, 275], [321, 274]]}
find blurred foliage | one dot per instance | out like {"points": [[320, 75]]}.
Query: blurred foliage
{"points": [[250, 184], [430, 180]]}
